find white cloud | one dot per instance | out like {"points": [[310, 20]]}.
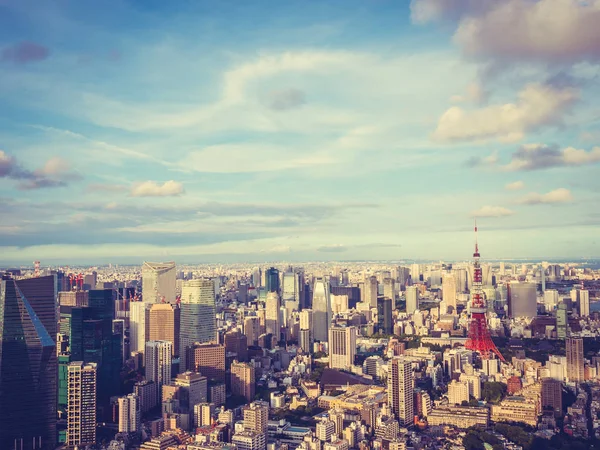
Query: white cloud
{"points": [[515, 186], [541, 156], [153, 189], [492, 211], [474, 93], [548, 31], [537, 105], [561, 195]]}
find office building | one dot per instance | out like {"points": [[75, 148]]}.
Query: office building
{"points": [[385, 325], [522, 300], [321, 306], [242, 380], [371, 289], [552, 396], [412, 299], [581, 298], [342, 347], [28, 362], [400, 390], [575, 363], [129, 414], [562, 324], [73, 298], [449, 291], [194, 390], [163, 324], [389, 289], [138, 326], [272, 312], [459, 416], [290, 291], [158, 359], [81, 412], [272, 280], [325, 429], [209, 360], [551, 299], [305, 342], [515, 409], [197, 316], [159, 282]]}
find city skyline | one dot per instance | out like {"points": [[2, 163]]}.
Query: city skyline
{"points": [[305, 131]]}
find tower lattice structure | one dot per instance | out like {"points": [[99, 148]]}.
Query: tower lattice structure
{"points": [[479, 338]]}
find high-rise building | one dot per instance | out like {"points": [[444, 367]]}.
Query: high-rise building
{"points": [[522, 300], [415, 273], [249, 440], [291, 287], [28, 363], [197, 316], [252, 329], [272, 280], [401, 390], [575, 363], [129, 414], [305, 341], [389, 289], [581, 298], [256, 417], [385, 324], [163, 324], [81, 415], [325, 429], [449, 291], [203, 414], [342, 347], [158, 359], [552, 395], [458, 392], [147, 395], [272, 311], [562, 324], [550, 299], [371, 291], [209, 360], [159, 282], [321, 306], [242, 380], [138, 326], [236, 343], [412, 299]]}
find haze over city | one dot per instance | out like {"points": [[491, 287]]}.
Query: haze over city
{"points": [[339, 130]]}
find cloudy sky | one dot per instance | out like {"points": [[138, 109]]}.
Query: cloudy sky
{"points": [[298, 130]]}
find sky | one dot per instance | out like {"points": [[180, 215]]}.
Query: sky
{"points": [[298, 130]]}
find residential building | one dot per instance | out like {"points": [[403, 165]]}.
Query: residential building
{"points": [[242, 380], [400, 390], [81, 410]]}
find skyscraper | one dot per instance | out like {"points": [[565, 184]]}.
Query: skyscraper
{"points": [[342, 347], [272, 280], [371, 291], [400, 390], [158, 359], [159, 282], [449, 291], [242, 380], [81, 421], [581, 298], [575, 367], [384, 315], [389, 289], [197, 316], [522, 300], [562, 324], [321, 306], [412, 299], [306, 330], [138, 326], [272, 311], [28, 363], [163, 324], [552, 395], [129, 414]]}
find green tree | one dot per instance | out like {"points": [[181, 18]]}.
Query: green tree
{"points": [[493, 391]]}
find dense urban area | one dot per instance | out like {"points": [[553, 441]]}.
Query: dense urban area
{"points": [[318, 356]]}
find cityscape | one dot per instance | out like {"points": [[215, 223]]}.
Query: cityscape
{"points": [[299, 225]]}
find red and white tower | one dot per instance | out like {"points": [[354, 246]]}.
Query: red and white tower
{"points": [[479, 339]]}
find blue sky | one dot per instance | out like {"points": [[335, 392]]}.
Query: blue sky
{"points": [[298, 130]]}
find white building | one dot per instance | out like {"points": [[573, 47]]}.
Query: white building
{"points": [[158, 282], [129, 414], [412, 299], [342, 347], [158, 358]]}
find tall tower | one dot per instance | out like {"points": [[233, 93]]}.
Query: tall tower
{"points": [[197, 322], [158, 358], [479, 338], [342, 347], [575, 363]]}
